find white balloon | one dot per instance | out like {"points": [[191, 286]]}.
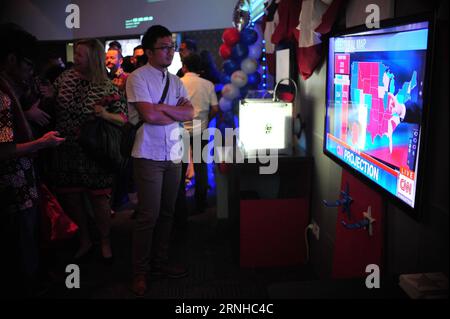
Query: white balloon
{"points": [[225, 104], [255, 51], [230, 91], [249, 65], [239, 78]]}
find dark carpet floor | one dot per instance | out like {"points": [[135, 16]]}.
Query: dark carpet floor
{"points": [[204, 247]]}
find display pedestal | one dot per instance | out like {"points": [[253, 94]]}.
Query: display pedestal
{"points": [[269, 213]]}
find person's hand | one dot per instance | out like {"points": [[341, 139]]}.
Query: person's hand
{"points": [[51, 139], [46, 90], [99, 110], [35, 114], [183, 101]]}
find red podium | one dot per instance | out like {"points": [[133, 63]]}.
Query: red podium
{"points": [[272, 232], [269, 232]]}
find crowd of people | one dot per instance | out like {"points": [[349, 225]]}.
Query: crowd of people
{"points": [[41, 117]]}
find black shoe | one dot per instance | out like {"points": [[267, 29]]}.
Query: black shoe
{"points": [[139, 285], [86, 256], [108, 261], [171, 271]]}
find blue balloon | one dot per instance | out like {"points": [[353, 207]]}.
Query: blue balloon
{"points": [[225, 79], [255, 51], [248, 36], [228, 118], [239, 52], [218, 87], [221, 127], [253, 78], [229, 66]]}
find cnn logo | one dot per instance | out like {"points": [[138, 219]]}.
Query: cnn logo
{"points": [[406, 186]]}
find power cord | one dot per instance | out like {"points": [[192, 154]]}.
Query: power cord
{"points": [[310, 226]]}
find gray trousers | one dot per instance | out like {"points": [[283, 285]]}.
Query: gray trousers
{"points": [[157, 185]]}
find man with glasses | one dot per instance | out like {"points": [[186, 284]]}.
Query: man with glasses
{"points": [[159, 99]]}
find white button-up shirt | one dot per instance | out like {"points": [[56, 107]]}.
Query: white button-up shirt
{"points": [[202, 95], [155, 142]]}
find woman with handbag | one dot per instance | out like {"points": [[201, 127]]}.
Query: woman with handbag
{"points": [[74, 173]]}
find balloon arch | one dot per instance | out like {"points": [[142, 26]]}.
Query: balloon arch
{"points": [[242, 52]]}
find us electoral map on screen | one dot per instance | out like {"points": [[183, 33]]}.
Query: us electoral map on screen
{"points": [[375, 104]]}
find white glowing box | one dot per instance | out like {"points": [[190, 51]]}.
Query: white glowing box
{"points": [[265, 124]]}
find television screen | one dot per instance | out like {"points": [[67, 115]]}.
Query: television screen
{"points": [[376, 105]]}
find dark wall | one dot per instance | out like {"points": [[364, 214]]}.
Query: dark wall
{"points": [[207, 40], [57, 48], [423, 245], [46, 18]]}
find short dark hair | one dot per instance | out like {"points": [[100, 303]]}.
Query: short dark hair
{"points": [[153, 34], [138, 47], [193, 62], [141, 60], [17, 41], [190, 44], [127, 66], [115, 44]]}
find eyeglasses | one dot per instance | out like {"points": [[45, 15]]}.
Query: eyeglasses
{"points": [[166, 48], [28, 62]]}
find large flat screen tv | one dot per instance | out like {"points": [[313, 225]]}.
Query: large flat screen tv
{"points": [[377, 105]]}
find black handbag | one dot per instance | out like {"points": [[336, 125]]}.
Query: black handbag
{"points": [[101, 140], [129, 130], [128, 136]]}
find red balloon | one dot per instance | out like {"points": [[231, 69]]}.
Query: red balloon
{"points": [[230, 36], [225, 51]]}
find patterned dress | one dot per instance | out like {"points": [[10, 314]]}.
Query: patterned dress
{"points": [[72, 168], [17, 179]]}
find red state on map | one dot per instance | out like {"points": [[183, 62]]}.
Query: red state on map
{"points": [[368, 82]]}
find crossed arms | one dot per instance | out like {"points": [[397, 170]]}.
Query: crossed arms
{"points": [[163, 114]]}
